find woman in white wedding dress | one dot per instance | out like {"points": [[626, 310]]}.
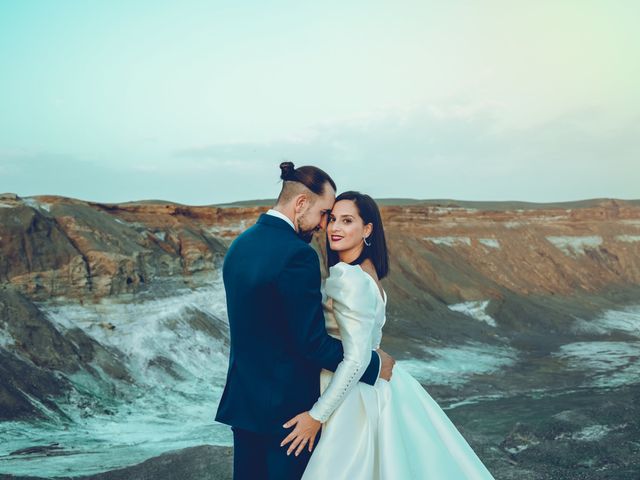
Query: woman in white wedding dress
{"points": [[393, 430]]}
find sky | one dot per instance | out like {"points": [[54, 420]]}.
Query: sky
{"points": [[198, 102]]}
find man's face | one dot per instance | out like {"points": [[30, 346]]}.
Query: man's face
{"points": [[315, 216]]}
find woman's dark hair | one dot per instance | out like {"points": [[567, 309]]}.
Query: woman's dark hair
{"points": [[377, 251], [311, 177]]}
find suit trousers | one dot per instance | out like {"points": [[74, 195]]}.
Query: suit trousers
{"points": [[258, 456]]}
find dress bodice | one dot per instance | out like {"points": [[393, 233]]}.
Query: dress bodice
{"points": [[354, 313], [380, 303]]}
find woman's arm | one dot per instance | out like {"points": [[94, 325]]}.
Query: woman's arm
{"points": [[299, 283], [354, 309]]}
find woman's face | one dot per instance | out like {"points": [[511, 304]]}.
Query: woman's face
{"points": [[346, 228]]}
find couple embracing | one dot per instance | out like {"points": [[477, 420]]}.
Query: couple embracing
{"points": [[309, 392]]}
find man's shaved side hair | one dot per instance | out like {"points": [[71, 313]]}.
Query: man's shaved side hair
{"points": [[308, 179], [292, 189]]}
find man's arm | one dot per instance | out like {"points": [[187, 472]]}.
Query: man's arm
{"points": [[299, 286]]}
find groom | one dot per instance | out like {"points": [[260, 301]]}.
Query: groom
{"points": [[279, 342]]}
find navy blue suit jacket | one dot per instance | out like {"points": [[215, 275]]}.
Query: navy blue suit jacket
{"points": [[279, 342]]}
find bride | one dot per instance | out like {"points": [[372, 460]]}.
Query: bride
{"points": [[392, 430]]}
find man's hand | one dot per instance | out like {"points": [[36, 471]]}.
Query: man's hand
{"points": [[388, 362], [305, 432]]}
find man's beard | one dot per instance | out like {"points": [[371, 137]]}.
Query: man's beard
{"points": [[306, 235]]}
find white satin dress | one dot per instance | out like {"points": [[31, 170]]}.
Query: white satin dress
{"points": [[392, 430]]}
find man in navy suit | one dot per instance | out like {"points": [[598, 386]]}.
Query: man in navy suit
{"points": [[279, 342]]}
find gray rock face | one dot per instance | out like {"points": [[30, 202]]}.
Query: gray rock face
{"points": [[36, 359], [19, 379], [34, 337]]}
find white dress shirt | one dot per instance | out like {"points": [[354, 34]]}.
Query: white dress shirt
{"points": [[281, 215]]}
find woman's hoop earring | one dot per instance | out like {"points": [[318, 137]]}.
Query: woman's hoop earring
{"points": [[365, 242]]}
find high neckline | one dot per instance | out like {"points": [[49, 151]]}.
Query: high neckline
{"points": [[375, 284]]}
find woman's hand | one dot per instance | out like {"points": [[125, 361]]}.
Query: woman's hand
{"points": [[305, 432]]}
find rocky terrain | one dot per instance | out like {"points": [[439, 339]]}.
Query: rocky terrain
{"points": [[193, 463], [521, 320]]}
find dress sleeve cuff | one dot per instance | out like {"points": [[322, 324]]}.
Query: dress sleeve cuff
{"points": [[315, 415]]}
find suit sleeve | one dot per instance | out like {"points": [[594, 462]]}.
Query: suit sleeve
{"points": [[299, 286]]}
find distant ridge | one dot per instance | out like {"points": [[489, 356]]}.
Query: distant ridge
{"points": [[497, 205], [449, 202], [264, 202]]}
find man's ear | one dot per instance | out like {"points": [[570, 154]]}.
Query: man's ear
{"points": [[301, 201]]}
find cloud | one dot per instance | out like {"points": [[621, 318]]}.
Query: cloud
{"points": [[456, 150]]}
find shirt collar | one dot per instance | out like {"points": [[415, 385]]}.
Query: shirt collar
{"points": [[281, 215]]}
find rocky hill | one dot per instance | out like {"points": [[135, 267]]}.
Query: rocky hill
{"points": [[56, 246], [522, 320]]}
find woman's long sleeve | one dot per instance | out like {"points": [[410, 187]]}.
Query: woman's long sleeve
{"points": [[354, 306]]}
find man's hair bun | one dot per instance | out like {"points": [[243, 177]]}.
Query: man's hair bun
{"points": [[287, 171]]}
